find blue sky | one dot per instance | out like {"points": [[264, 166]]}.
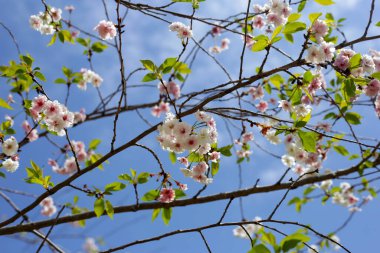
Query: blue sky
{"points": [[146, 38]]}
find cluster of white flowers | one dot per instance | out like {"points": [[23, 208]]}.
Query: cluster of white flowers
{"points": [[183, 31], [345, 197], [32, 134], [277, 13], [300, 110], [106, 30], [299, 160], [250, 228], [55, 115], [10, 147], [198, 173], [90, 246], [176, 136], [171, 87], [44, 21], [224, 44], [89, 76], [48, 207], [70, 165], [179, 136], [161, 108], [245, 138], [368, 65], [321, 53]]}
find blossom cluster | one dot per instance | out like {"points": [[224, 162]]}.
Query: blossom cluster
{"points": [[300, 160], [48, 207], [70, 165], [167, 195], [368, 65], [224, 44], [198, 173], [163, 107], [89, 76], [178, 136], [10, 147], [245, 138], [106, 30], [276, 12], [251, 229], [171, 87], [44, 22], [183, 31], [55, 115]]}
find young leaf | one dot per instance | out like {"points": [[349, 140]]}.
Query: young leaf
{"points": [[173, 157], [5, 105], [166, 215], [143, 178], [151, 195], [309, 140], [94, 144], [99, 207], [325, 2], [115, 186], [155, 213], [109, 209]]}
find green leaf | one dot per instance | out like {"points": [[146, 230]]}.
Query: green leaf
{"points": [[40, 76], [149, 77], [325, 2], [94, 144], [194, 157], [5, 105], [279, 28], [314, 16], [179, 194], [214, 168], [151, 195], [294, 17], [149, 65], [133, 172], [84, 42], [291, 241], [355, 61], [166, 215], [260, 248], [341, 150], [60, 81], [348, 89], [226, 150], [294, 27], [2, 174], [109, 209], [98, 47], [260, 45], [115, 186], [173, 157], [143, 177], [307, 77], [309, 140], [52, 40], [155, 213], [296, 96], [277, 80], [125, 177], [353, 118], [301, 6], [99, 207], [378, 24], [289, 37]]}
